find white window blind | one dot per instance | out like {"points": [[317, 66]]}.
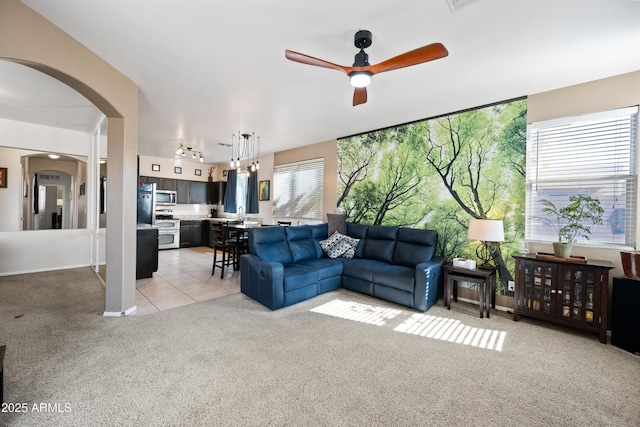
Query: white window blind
{"points": [[298, 189], [594, 155]]}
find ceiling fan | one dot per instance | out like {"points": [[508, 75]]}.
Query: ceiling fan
{"points": [[361, 71]]}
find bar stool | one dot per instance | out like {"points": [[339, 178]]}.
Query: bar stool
{"points": [[229, 247]]}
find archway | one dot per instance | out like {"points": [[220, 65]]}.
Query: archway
{"points": [[27, 38]]}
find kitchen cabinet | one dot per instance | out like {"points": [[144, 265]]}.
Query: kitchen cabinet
{"points": [[190, 233], [216, 190], [151, 180], [161, 183], [146, 252], [569, 292], [189, 192], [198, 192], [182, 188], [168, 184]]}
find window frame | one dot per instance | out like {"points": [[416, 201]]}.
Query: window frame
{"points": [[554, 174], [317, 195]]}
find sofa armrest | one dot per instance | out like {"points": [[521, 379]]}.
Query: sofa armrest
{"points": [[262, 280], [428, 289]]}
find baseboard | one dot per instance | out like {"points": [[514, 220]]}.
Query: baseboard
{"points": [[120, 313], [42, 270]]}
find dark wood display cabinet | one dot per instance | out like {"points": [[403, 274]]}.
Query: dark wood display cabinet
{"points": [[571, 292]]}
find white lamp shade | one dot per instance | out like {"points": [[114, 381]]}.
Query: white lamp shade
{"points": [[486, 230]]}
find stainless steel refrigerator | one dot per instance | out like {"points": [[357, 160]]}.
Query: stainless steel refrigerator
{"points": [[147, 204]]}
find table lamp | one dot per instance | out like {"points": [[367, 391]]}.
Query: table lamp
{"points": [[489, 232]]}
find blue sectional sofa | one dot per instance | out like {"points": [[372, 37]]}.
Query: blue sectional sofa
{"points": [[287, 265]]}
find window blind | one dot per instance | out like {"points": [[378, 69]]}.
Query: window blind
{"points": [[594, 155], [298, 190]]}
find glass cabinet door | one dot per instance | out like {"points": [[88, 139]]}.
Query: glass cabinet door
{"points": [[578, 294], [539, 287]]}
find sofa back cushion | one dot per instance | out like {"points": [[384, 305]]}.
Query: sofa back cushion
{"points": [[319, 232], [270, 244], [414, 246], [358, 231], [337, 222], [301, 243], [381, 241]]}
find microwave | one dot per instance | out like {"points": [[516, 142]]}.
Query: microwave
{"points": [[166, 197]]}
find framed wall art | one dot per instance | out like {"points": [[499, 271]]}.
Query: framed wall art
{"points": [[177, 169], [264, 190], [155, 167], [3, 177]]}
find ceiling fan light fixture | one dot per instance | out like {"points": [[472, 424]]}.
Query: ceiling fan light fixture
{"points": [[360, 79]]}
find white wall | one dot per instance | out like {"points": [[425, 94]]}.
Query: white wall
{"points": [[39, 250]]}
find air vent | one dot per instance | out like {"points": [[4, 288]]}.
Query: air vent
{"points": [[457, 4]]}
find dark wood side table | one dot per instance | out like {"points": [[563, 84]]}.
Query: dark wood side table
{"points": [[485, 278]]}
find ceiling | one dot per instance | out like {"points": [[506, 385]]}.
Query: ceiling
{"points": [[207, 69]]}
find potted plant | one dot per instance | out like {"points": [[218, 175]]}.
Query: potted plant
{"points": [[573, 220]]}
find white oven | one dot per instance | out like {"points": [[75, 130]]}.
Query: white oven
{"points": [[168, 233]]}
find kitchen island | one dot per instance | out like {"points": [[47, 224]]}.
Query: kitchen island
{"points": [[146, 251]]}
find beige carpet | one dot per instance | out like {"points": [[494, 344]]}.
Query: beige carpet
{"points": [[341, 359]]}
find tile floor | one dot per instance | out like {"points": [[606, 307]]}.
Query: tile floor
{"points": [[183, 277]]}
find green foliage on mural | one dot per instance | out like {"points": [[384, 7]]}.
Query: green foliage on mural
{"points": [[438, 174]]}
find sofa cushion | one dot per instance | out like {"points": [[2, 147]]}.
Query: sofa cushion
{"points": [[326, 267], [381, 242], [395, 276], [358, 231], [337, 222], [301, 243], [298, 276], [414, 246], [270, 244], [360, 268], [319, 231]]}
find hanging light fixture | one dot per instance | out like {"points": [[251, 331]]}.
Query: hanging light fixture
{"points": [[195, 154], [245, 148]]}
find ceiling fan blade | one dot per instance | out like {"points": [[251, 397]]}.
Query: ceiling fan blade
{"points": [[310, 60], [359, 96], [417, 56]]}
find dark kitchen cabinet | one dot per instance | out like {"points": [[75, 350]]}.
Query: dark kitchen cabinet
{"points": [[189, 192], [563, 291], [182, 187], [216, 190], [152, 180], [198, 192], [168, 184], [146, 252], [190, 233]]}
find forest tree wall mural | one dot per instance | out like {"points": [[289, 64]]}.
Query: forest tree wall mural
{"points": [[438, 174]]}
